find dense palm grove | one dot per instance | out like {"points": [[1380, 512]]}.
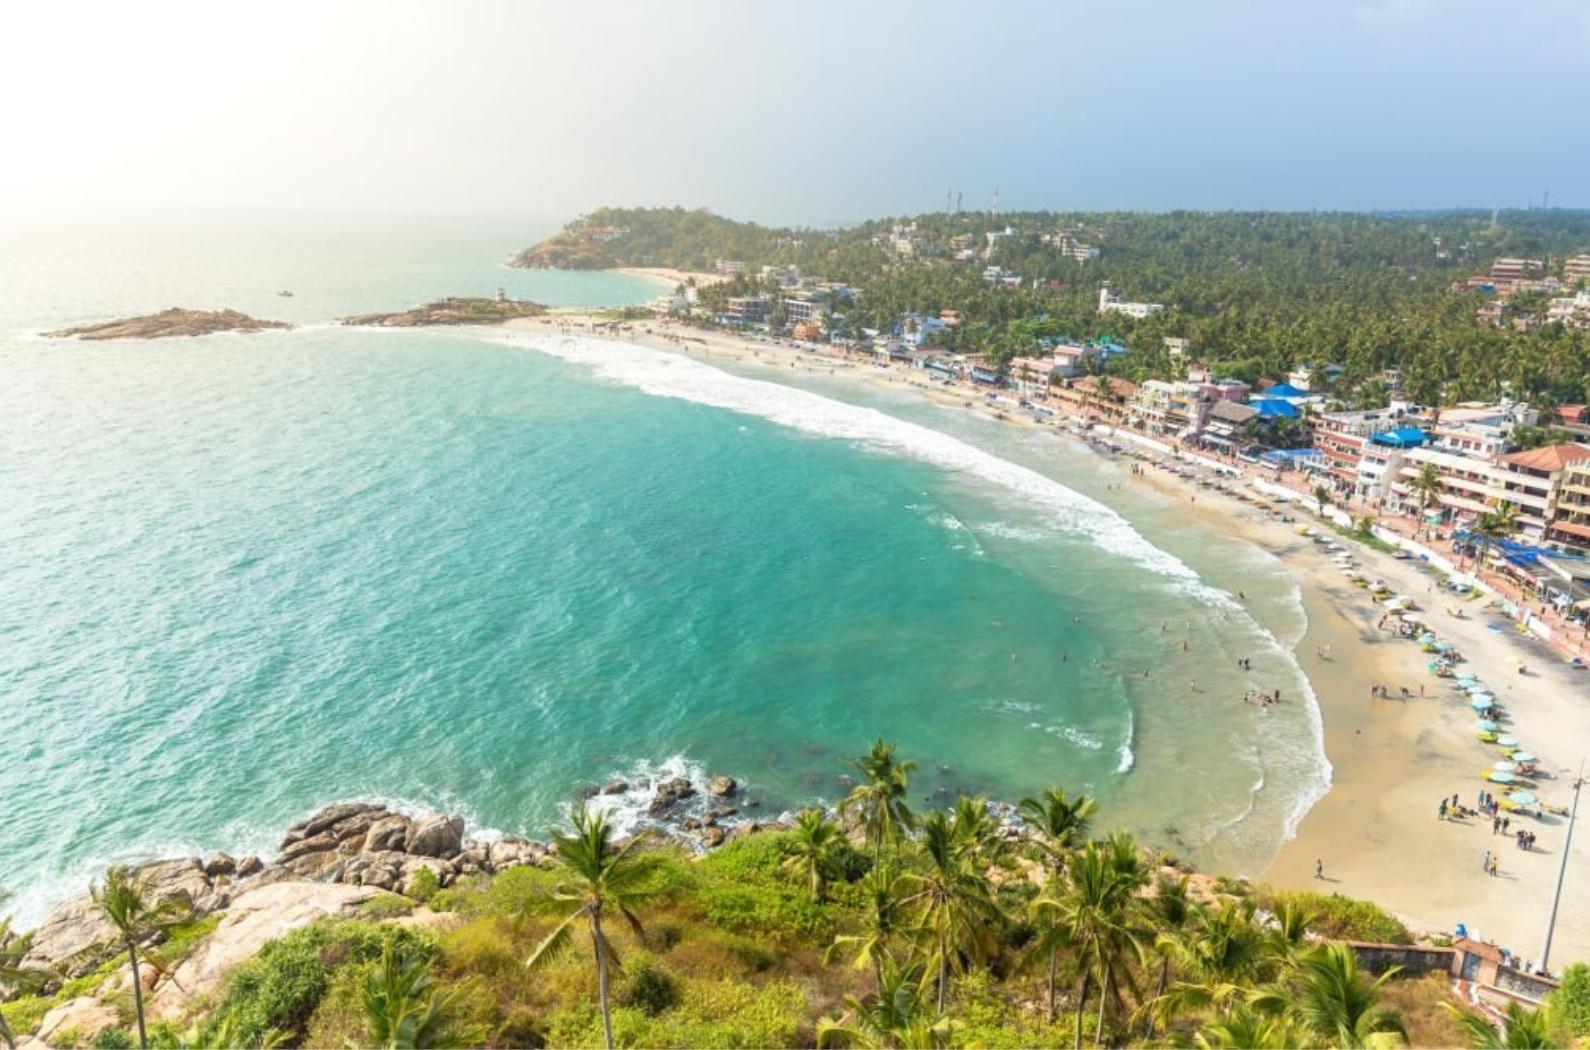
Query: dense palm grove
{"points": [[881, 928], [1255, 292]]}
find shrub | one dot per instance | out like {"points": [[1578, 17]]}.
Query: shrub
{"points": [[1568, 1008], [281, 987], [386, 906], [24, 1014], [742, 887], [423, 885], [647, 986], [1342, 918], [985, 1019], [711, 1014], [520, 1027], [113, 1039]]}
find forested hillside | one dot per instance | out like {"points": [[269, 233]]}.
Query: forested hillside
{"points": [[1255, 292]]}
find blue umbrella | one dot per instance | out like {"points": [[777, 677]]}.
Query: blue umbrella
{"points": [[1500, 778], [1523, 798], [1482, 705], [1507, 741], [1521, 756], [1485, 725]]}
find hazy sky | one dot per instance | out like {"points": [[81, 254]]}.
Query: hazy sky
{"points": [[808, 112]]}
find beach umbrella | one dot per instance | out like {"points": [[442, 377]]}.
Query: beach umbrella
{"points": [[1482, 705], [1468, 678], [1500, 778], [1443, 647], [1507, 741], [1426, 638], [1521, 756], [1505, 767], [1523, 798], [1485, 725]]}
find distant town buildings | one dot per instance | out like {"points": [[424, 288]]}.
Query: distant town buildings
{"points": [[730, 267]]}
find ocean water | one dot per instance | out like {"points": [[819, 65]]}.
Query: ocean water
{"points": [[243, 576]]}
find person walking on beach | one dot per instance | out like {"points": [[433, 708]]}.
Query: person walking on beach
{"points": [[1485, 862], [1319, 869], [1495, 863], [1496, 825]]}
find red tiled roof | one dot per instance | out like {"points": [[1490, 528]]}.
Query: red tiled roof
{"points": [[1549, 457], [1571, 528]]}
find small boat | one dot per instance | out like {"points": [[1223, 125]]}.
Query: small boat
{"points": [[285, 294]]}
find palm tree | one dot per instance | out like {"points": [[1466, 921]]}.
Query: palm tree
{"points": [[812, 845], [1427, 485], [895, 1017], [885, 888], [127, 902], [1520, 1029], [399, 1002], [1333, 1002], [976, 827], [1322, 496], [1496, 525], [1095, 909], [1058, 823], [881, 796], [1171, 912], [14, 977], [600, 877], [1243, 1029], [954, 903], [1221, 956]]}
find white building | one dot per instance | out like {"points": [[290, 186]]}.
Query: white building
{"points": [[1115, 304]]}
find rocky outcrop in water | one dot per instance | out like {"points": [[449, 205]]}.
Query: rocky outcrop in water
{"points": [[359, 844], [173, 322], [451, 311]]}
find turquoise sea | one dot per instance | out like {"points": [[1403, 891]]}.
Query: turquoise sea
{"points": [[243, 576]]}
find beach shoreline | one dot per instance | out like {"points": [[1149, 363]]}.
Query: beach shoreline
{"points": [[1375, 831], [668, 277]]}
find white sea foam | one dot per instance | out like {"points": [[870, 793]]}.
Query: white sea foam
{"points": [[1018, 533], [626, 810], [665, 374]]}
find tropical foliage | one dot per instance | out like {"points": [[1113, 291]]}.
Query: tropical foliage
{"points": [[889, 928]]}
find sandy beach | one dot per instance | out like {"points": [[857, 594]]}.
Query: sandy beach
{"points": [[1376, 831], [670, 277]]}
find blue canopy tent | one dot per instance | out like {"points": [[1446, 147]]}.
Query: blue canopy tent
{"points": [[1273, 407], [1283, 390], [1400, 437]]}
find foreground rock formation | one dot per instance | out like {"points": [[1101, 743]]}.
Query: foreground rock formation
{"points": [[451, 311], [173, 322], [370, 847]]}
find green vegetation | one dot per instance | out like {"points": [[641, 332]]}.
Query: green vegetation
{"points": [[941, 932], [1340, 918], [1568, 1010], [1256, 293], [278, 991]]}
